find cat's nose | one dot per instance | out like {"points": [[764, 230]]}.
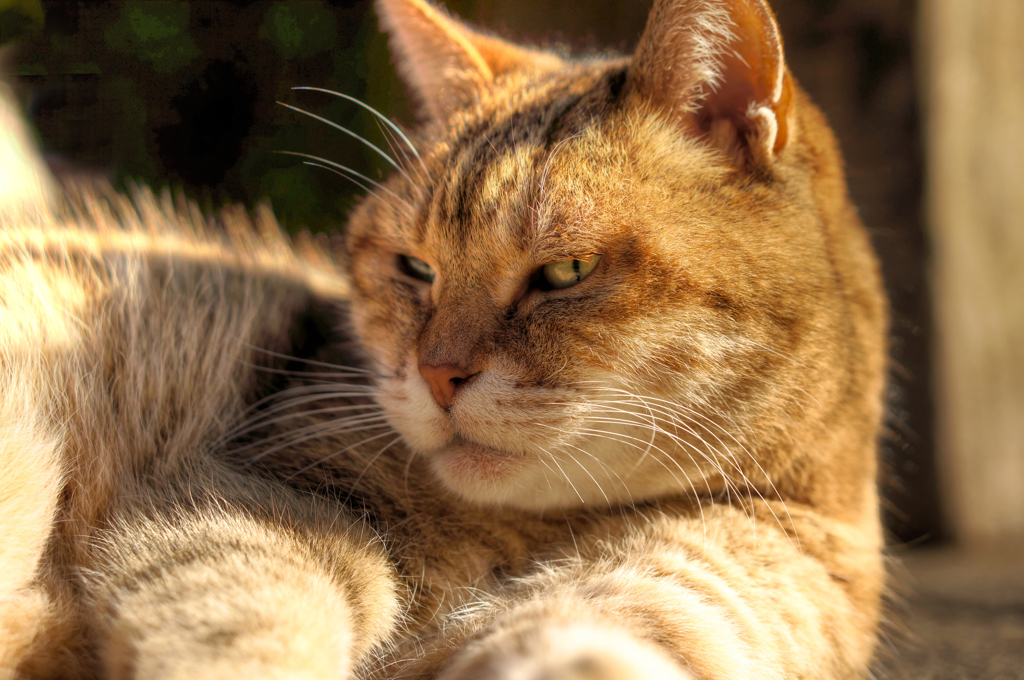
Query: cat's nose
{"points": [[444, 380]]}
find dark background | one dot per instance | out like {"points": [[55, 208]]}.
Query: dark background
{"points": [[183, 94]]}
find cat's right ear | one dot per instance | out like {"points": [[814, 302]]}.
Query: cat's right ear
{"points": [[448, 64], [717, 68]]}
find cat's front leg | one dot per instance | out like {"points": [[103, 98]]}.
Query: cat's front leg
{"points": [[537, 646], [659, 598], [208, 592]]}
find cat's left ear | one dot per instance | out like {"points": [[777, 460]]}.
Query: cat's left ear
{"points": [[448, 64], [717, 67]]}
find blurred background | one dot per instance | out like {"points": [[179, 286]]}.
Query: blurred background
{"points": [[926, 96]]}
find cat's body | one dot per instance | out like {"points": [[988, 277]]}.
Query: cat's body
{"points": [[660, 464]]}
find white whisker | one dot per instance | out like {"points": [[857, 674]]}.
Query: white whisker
{"points": [[305, 434], [332, 375], [365, 141], [569, 481], [312, 362], [381, 117], [594, 479], [730, 486], [373, 460], [356, 182], [301, 395], [354, 484], [603, 465], [349, 170], [692, 414], [614, 436], [258, 424]]}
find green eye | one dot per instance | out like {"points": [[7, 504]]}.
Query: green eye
{"points": [[416, 268], [566, 273]]}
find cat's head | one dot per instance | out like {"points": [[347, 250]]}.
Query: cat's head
{"points": [[614, 279]]}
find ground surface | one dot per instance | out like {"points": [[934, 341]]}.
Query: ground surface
{"points": [[964, 617]]}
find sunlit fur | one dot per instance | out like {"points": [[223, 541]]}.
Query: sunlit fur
{"points": [[738, 313], [221, 458]]}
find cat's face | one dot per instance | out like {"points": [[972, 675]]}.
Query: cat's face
{"points": [[574, 298]]}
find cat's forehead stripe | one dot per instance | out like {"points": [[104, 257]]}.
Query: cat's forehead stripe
{"points": [[496, 167]]}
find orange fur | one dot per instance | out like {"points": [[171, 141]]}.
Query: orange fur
{"points": [[666, 469]]}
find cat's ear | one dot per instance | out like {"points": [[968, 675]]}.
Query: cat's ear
{"points": [[446, 63], [717, 66]]}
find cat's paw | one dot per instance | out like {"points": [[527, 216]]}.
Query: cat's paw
{"points": [[567, 652]]}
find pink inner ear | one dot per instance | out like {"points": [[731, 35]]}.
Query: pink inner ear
{"points": [[753, 73]]}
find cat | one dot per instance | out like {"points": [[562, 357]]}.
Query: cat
{"points": [[589, 388]]}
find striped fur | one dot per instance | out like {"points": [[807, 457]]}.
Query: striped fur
{"points": [[221, 451]]}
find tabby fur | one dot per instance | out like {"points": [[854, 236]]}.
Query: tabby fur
{"points": [[227, 455]]}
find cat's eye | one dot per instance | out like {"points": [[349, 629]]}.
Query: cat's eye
{"points": [[566, 273], [416, 268]]}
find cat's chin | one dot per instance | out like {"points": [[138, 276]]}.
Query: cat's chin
{"points": [[486, 476], [476, 472]]}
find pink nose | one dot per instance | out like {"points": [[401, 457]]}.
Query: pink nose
{"points": [[443, 381]]}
